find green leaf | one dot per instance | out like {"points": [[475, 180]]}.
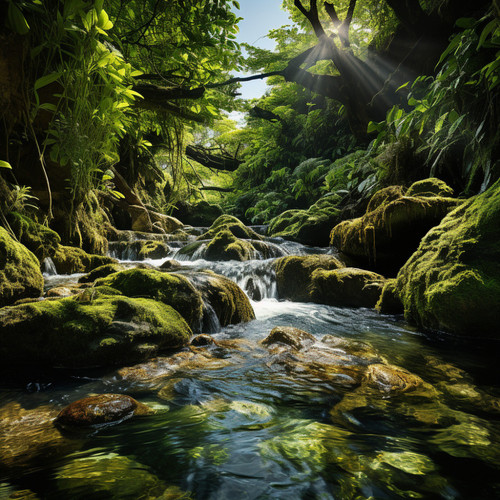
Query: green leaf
{"points": [[5, 164], [16, 19], [46, 80]]}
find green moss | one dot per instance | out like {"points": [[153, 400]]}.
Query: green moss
{"points": [[226, 246], [198, 214], [310, 227], [430, 187], [385, 237], [389, 302], [172, 289], [39, 239], [452, 282], [20, 275], [230, 303], [81, 331], [101, 272], [348, 287], [384, 195], [231, 224], [294, 274], [69, 260]]}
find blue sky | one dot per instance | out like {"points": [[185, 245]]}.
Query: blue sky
{"points": [[259, 16]]}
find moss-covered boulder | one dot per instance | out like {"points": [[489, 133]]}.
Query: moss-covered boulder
{"points": [[309, 227], [101, 409], [139, 249], [168, 288], [224, 297], [389, 301], [225, 246], [69, 260], [349, 287], [100, 272], [198, 214], [452, 282], [231, 224], [294, 274], [20, 275], [429, 187], [385, 237], [90, 329], [385, 195], [37, 238]]}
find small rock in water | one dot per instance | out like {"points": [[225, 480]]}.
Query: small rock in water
{"points": [[101, 409], [391, 378], [289, 335], [203, 340]]}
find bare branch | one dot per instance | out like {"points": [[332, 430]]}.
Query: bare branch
{"points": [[312, 16], [217, 188]]}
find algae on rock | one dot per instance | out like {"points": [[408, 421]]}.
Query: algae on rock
{"points": [[452, 282], [20, 275], [69, 260]]}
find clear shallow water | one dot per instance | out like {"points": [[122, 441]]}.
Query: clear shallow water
{"points": [[246, 423]]}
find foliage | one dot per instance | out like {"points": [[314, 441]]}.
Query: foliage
{"points": [[452, 118]]}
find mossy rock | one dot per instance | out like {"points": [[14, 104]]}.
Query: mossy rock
{"points": [[349, 287], [384, 238], [385, 195], [294, 274], [429, 187], [139, 249], [20, 275], [389, 301], [289, 336], [37, 238], [70, 260], [231, 224], [168, 288], [309, 227], [452, 282], [101, 272], [198, 214], [226, 246], [90, 329], [225, 297]]}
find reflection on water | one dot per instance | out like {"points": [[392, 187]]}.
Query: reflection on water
{"points": [[243, 421]]}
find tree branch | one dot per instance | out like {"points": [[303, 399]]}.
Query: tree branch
{"points": [[216, 188], [312, 16], [217, 162]]}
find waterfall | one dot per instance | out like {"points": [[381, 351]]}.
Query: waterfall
{"points": [[48, 267]]}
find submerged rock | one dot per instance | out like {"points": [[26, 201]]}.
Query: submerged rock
{"points": [[309, 227], [288, 335], [91, 329], [386, 236], [294, 274], [20, 275], [452, 282], [101, 409], [392, 379], [70, 260]]}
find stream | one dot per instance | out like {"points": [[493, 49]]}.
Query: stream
{"points": [[245, 425]]}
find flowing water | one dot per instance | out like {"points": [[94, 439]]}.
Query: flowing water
{"points": [[244, 423]]}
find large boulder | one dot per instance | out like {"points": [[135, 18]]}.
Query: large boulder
{"points": [[349, 287], [231, 224], [91, 329], [171, 289], [227, 300], [385, 237], [225, 246], [69, 260], [294, 274], [309, 227], [139, 249], [197, 214], [20, 275], [452, 282]]}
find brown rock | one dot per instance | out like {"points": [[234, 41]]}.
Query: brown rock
{"points": [[101, 409], [298, 339]]}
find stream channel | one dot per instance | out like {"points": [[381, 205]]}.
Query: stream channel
{"points": [[250, 425]]}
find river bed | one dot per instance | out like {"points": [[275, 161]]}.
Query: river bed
{"points": [[247, 426]]}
